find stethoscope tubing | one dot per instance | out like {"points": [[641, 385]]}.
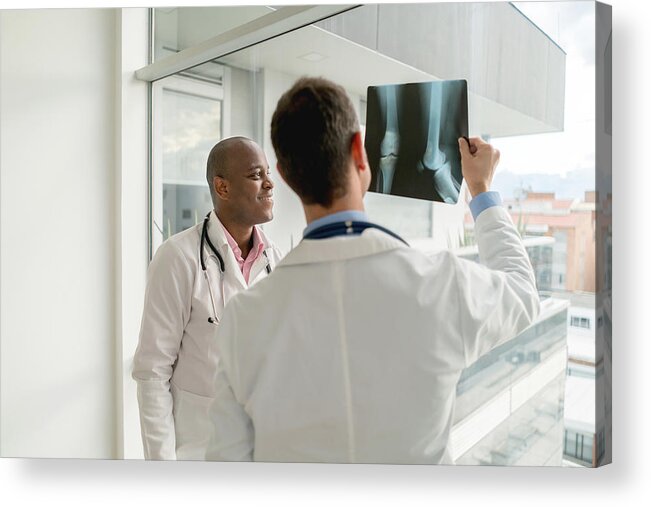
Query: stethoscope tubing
{"points": [[206, 238], [348, 227], [222, 267]]}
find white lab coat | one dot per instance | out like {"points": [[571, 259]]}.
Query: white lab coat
{"points": [[176, 358], [358, 344]]}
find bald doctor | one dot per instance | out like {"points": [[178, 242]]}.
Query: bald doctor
{"points": [[191, 277], [359, 340]]}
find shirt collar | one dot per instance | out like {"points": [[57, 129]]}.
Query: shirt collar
{"points": [[258, 243], [340, 216]]}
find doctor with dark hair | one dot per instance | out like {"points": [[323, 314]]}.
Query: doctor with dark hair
{"points": [[358, 340]]}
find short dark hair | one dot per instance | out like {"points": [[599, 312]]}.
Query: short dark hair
{"points": [[311, 132]]}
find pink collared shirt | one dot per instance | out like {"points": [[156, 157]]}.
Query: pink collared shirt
{"points": [[255, 252]]}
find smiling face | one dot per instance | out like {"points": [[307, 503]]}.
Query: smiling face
{"points": [[244, 188]]}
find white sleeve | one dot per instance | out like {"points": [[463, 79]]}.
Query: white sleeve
{"points": [[232, 433], [498, 299], [166, 312]]}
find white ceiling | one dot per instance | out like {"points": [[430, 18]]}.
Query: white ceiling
{"points": [[354, 66]]}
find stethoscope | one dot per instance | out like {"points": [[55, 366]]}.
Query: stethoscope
{"points": [[222, 267], [347, 228]]}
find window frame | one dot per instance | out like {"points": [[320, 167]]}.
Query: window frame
{"points": [[187, 85]]}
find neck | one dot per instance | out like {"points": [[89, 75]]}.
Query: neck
{"points": [[347, 203], [242, 234]]}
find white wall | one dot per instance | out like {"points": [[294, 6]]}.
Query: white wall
{"points": [[131, 245], [243, 103], [57, 158]]}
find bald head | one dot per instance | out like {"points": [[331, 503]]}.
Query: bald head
{"points": [[223, 157], [240, 186]]}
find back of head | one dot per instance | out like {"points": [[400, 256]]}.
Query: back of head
{"points": [[311, 132]]}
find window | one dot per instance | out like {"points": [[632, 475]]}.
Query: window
{"points": [[519, 107], [578, 446], [190, 116], [581, 322]]}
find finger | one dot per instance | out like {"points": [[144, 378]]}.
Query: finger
{"points": [[477, 141], [496, 156], [496, 161], [474, 143], [471, 148], [464, 148]]}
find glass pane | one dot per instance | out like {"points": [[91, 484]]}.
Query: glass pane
{"points": [[535, 102], [191, 125], [570, 444], [588, 441], [505, 365], [532, 435]]}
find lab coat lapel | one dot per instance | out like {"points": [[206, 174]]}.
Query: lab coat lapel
{"points": [[259, 268], [233, 278]]}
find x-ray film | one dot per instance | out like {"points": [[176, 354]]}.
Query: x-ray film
{"points": [[412, 133]]}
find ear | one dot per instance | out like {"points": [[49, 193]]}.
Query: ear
{"points": [[221, 188], [358, 153]]}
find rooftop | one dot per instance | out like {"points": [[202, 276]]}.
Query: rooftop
{"points": [[580, 299]]}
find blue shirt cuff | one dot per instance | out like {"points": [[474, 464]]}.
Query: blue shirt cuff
{"points": [[484, 201]]}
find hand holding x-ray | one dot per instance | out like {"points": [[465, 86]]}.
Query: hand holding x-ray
{"points": [[478, 162]]}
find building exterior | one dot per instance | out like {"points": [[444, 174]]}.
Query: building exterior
{"points": [[585, 421], [510, 402], [569, 224], [572, 225]]}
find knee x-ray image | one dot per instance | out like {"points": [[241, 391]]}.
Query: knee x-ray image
{"points": [[412, 133]]}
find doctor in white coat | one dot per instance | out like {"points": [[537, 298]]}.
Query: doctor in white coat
{"points": [[358, 340], [191, 277]]}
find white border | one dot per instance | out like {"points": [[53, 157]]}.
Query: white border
{"points": [[626, 482]]}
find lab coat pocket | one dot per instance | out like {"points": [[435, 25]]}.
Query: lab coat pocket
{"points": [[192, 424], [183, 397]]}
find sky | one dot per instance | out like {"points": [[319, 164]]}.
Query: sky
{"points": [[571, 26]]}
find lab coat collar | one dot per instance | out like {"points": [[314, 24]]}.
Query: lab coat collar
{"points": [[216, 232], [339, 248], [218, 237]]}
